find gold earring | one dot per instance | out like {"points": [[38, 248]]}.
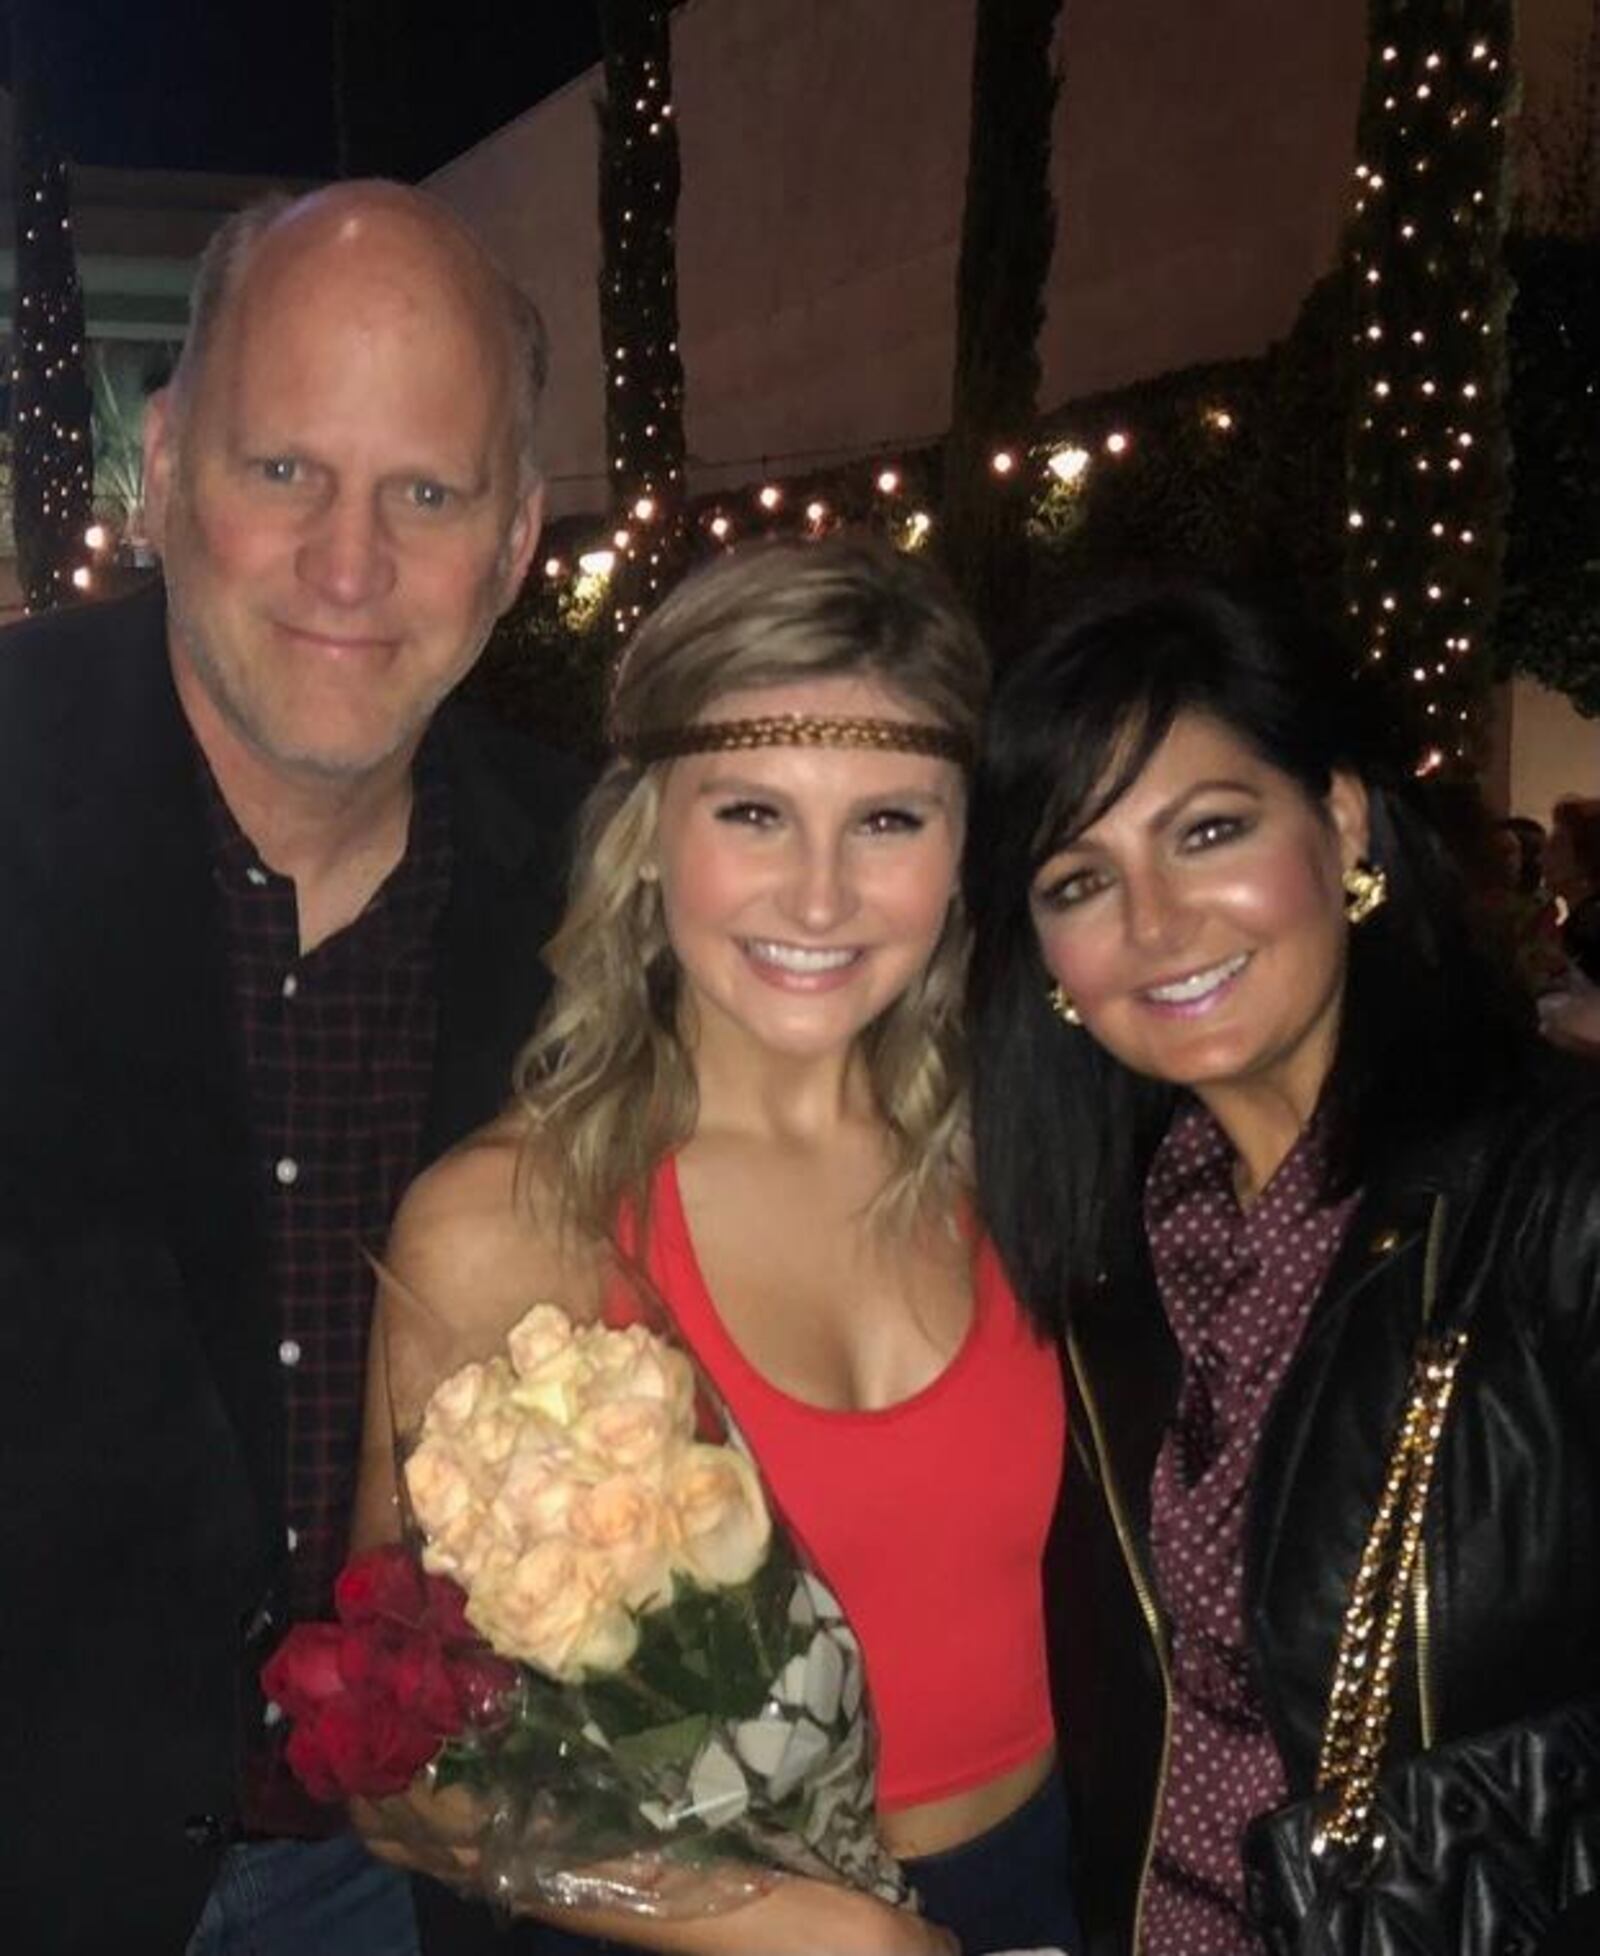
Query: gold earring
{"points": [[1063, 1007], [648, 873], [1366, 888]]}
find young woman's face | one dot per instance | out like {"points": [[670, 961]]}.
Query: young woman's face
{"points": [[805, 888], [1199, 924]]}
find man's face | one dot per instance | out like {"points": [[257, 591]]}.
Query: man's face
{"points": [[336, 501]]}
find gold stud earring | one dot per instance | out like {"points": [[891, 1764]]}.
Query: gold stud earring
{"points": [[1366, 888], [1063, 1007]]}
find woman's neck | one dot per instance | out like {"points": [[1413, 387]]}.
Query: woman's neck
{"points": [[1263, 1126], [801, 1100]]}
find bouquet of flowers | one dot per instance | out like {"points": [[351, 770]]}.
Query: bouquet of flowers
{"points": [[599, 1650]]}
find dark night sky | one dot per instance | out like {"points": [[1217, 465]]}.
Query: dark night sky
{"points": [[249, 85]]}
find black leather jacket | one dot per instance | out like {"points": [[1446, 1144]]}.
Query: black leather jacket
{"points": [[1505, 1621]]}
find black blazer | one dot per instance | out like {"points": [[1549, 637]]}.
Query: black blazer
{"points": [[140, 1418]]}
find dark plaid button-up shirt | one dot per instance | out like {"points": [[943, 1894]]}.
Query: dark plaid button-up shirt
{"points": [[338, 1048]]}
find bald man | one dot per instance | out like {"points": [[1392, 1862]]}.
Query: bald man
{"points": [[273, 909]]}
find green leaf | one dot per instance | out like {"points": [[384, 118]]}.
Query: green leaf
{"points": [[663, 1746]]}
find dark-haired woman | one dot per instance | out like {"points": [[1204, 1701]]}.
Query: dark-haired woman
{"points": [[1251, 1111]]}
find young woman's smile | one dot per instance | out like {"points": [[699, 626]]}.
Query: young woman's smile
{"points": [[805, 888]]}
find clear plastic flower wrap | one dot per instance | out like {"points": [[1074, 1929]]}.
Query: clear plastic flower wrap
{"points": [[616, 1681]]}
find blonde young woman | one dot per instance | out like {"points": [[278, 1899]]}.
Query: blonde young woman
{"points": [[751, 1073]]}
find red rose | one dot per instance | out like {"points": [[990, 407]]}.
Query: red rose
{"points": [[353, 1748], [447, 1611], [407, 1668], [374, 1696], [384, 1582], [305, 1669], [482, 1682]]}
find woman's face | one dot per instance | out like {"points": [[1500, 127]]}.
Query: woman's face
{"points": [[1199, 924], [805, 888]]}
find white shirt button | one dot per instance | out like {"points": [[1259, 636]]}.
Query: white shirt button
{"points": [[291, 984], [292, 1537], [289, 1352], [257, 875], [287, 1170]]}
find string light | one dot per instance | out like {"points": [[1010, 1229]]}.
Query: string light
{"points": [[1057, 468], [1421, 315], [52, 470], [1069, 465], [639, 323]]}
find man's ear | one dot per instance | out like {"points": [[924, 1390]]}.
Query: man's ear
{"points": [[160, 445], [1351, 818], [522, 539]]}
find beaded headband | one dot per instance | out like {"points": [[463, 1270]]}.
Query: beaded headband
{"points": [[796, 730]]}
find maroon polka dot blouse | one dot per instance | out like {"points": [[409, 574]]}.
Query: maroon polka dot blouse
{"points": [[1237, 1287]]}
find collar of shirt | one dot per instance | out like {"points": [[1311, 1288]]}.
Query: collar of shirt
{"points": [[1205, 1247], [400, 913]]}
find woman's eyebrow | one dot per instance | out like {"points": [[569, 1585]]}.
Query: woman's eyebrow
{"points": [[1169, 811]]}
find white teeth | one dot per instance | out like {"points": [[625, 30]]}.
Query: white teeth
{"points": [[797, 958], [1185, 990]]}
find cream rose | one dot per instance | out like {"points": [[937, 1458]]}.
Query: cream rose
{"points": [[446, 1505], [487, 1433], [555, 1385], [632, 1364], [637, 1436], [537, 1336], [457, 1398], [624, 1519], [554, 1607], [535, 1497], [720, 1521]]}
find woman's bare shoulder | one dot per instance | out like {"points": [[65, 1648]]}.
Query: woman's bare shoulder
{"points": [[478, 1233]]}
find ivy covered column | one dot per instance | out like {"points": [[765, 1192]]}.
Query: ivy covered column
{"points": [[639, 304], [52, 454], [1007, 235], [1426, 446]]}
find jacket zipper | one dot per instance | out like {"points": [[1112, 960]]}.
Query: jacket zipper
{"points": [[1421, 1608], [1152, 1617], [1424, 1636]]}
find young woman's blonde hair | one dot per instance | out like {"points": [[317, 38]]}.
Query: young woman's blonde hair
{"points": [[606, 1080]]}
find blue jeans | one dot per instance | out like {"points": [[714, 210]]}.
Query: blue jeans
{"points": [[306, 1898], [1007, 1888]]}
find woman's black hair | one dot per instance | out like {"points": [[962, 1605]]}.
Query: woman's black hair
{"points": [[1430, 1028]]}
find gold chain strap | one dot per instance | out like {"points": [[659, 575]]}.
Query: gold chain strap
{"points": [[1363, 1680]]}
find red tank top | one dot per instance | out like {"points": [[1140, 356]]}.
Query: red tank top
{"points": [[927, 1519]]}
